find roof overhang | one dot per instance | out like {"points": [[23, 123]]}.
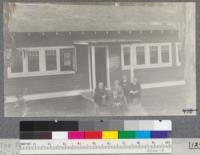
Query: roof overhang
{"points": [[105, 41]]}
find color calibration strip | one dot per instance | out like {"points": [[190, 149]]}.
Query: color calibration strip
{"points": [[73, 135], [95, 137], [115, 129]]}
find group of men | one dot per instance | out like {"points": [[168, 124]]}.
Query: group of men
{"points": [[121, 94]]}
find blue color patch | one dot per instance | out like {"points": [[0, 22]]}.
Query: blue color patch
{"points": [[143, 135]]}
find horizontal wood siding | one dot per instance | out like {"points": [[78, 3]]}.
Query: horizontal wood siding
{"points": [[148, 75], [53, 83], [80, 80]]}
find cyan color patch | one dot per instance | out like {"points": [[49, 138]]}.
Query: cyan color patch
{"points": [[143, 135]]}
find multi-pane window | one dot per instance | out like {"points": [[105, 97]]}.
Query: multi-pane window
{"points": [[17, 62], [146, 55], [153, 52], [165, 53], [33, 60], [140, 55], [51, 60], [43, 61], [67, 58]]}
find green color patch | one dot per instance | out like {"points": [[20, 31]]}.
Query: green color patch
{"points": [[126, 134]]}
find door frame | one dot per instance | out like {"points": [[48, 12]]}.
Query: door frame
{"points": [[92, 66]]}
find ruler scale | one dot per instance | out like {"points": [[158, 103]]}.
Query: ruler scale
{"points": [[95, 146], [101, 138]]}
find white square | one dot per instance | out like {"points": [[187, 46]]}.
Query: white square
{"points": [[163, 125], [59, 135]]}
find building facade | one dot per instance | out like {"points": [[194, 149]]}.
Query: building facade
{"points": [[66, 61], [74, 60]]}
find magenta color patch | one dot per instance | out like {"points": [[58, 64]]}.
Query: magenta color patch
{"points": [[76, 135]]}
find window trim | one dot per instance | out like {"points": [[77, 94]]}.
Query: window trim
{"points": [[147, 56], [177, 46], [42, 63]]}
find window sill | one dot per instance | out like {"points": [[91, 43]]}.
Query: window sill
{"points": [[34, 74], [147, 66]]}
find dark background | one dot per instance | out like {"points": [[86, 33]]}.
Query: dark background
{"points": [[183, 126]]}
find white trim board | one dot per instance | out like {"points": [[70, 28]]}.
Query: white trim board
{"points": [[47, 95], [31, 97], [162, 84]]}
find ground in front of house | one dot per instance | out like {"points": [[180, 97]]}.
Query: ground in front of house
{"points": [[154, 102]]}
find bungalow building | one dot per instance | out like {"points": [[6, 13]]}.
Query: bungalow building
{"points": [[67, 49]]}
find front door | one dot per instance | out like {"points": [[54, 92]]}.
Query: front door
{"points": [[101, 65]]}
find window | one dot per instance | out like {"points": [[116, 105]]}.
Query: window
{"points": [[43, 61], [153, 54], [17, 62], [146, 55], [51, 60], [140, 55], [165, 53], [33, 61], [67, 59]]}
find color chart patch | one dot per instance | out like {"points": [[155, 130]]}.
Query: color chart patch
{"points": [[99, 137]]}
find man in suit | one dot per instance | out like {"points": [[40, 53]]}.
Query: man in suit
{"points": [[100, 94], [135, 91]]}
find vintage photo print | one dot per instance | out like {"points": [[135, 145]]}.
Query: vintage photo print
{"points": [[99, 59]]}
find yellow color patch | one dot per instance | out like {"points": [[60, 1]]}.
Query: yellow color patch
{"points": [[109, 134]]}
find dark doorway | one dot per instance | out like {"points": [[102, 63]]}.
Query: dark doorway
{"points": [[100, 65]]}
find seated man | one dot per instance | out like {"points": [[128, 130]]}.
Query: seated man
{"points": [[100, 94], [135, 91]]}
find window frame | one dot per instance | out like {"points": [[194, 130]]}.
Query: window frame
{"points": [[42, 63], [147, 56]]}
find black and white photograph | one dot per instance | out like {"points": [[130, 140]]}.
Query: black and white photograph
{"points": [[99, 59]]}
